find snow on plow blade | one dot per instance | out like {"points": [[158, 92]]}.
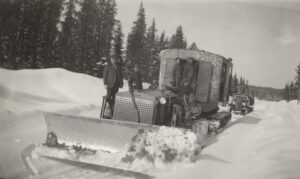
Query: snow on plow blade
{"points": [[96, 134], [102, 142]]}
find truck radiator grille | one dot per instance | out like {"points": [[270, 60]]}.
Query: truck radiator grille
{"points": [[124, 109]]}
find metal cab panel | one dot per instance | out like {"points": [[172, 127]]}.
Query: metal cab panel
{"points": [[213, 74]]}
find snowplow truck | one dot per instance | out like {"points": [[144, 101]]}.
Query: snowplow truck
{"points": [[100, 142]]}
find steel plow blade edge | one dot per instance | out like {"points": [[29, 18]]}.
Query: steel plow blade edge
{"points": [[92, 133]]}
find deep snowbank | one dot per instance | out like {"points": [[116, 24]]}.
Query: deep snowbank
{"points": [[55, 83], [52, 84], [275, 147], [54, 89], [264, 144]]}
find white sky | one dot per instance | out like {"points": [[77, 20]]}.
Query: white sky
{"points": [[262, 37]]}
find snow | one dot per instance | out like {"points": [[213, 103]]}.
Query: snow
{"points": [[54, 89], [25, 93], [275, 147], [49, 90], [56, 84], [155, 151], [263, 144]]}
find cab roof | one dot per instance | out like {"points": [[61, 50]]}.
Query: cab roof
{"points": [[186, 54]]}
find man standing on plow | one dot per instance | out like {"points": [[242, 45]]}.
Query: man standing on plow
{"points": [[113, 80]]}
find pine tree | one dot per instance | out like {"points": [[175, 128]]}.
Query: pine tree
{"points": [[29, 32], [287, 92], [87, 41], [30, 35], [193, 46], [247, 87], [10, 22], [136, 42], [152, 52], [106, 11], [292, 92], [231, 86], [38, 33], [243, 89], [118, 43], [163, 42], [240, 85], [29, 39], [117, 47], [178, 40], [235, 84], [104, 34], [68, 38], [47, 57], [297, 83]]}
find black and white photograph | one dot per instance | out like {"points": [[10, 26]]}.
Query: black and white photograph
{"points": [[150, 89]]}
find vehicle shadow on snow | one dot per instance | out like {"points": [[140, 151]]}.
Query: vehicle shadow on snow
{"points": [[243, 120], [212, 158], [249, 119]]}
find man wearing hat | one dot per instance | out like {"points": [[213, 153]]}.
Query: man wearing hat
{"points": [[135, 79], [177, 73], [113, 80], [187, 79]]}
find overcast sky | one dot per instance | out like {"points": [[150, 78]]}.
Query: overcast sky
{"points": [[262, 37]]}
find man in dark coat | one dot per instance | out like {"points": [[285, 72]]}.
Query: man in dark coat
{"points": [[135, 79], [113, 80], [177, 73], [154, 84], [187, 79]]}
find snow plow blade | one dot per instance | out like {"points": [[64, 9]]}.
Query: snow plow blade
{"points": [[41, 164], [101, 142], [95, 134]]}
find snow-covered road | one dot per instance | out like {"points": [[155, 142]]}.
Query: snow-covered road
{"points": [[264, 144]]}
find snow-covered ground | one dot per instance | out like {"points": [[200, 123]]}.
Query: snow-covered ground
{"points": [[263, 144]]}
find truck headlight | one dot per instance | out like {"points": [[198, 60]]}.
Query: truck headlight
{"points": [[162, 100], [244, 104]]}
